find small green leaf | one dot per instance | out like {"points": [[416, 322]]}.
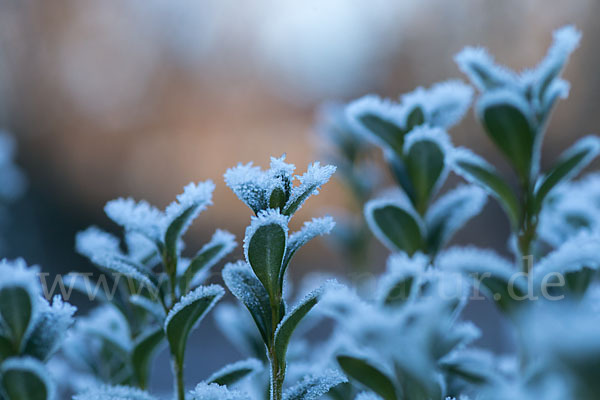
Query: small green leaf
{"points": [[265, 247], [368, 375], [16, 310], [474, 169], [312, 387], [187, 313], [414, 118], [399, 292], [507, 120], [145, 347], [569, 164], [425, 164], [395, 224], [450, 213], [6, 348], [278, 198], [176, 229], [247, 288], [25, 379], [233, 373], [288, 324], [386, 130]]}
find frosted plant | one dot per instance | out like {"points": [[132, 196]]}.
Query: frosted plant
{"points": [[514, 110], [409, 348], [412, 135], [570, 208], [163, 293], [258, 281], [31, 331], [349, 151]]}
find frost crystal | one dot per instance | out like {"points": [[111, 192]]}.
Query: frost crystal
{"points": [[314, 386], [152, 222], [310, 183], [215, 392], [311, 229], [114, 393], [93, 240], [214, 291], [251, 364], [582, 250], [482, 70], [426, 133]]}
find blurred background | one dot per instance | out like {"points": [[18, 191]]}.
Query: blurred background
{"points": [[139, 97]]}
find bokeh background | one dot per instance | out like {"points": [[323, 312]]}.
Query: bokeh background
{"points": [[138, 97]]}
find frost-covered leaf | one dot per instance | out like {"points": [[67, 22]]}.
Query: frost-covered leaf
{"points": [[137, 216], [482, 70], [451, 212], [232, 373], [446, 102], [310, 230], [476, 170], [151, 307], [127, 268], [381, 121], [566, 40], [395, 223], [264, 247], [369, 376], [108, 324], [114, 393], [180, 214], [576, 260], [495, 275], [400, 280], [185, 315], [19, 291], [247, 288], [221, 244], [25, 379], [49, 328], [424, 155], [310, 183], [288, 324], [507, 119], [569, 164], [312, 387], [212, 391], [145, 347], [93, 241]]}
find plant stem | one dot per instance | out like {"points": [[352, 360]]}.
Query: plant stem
{"points": [[178, 378], [528, 228], [277, 370]]}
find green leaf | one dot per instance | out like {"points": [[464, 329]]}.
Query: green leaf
{"points": [[16, 310], [385, 130], [414, 118], [265, 245], [25, 379], [247, 288], [424, 157], [450, 213], [476, 170], [288, 324], [175, 230], [507, 120], [395, 223], [6, 348], [400, 173], [368, 375], [278, 198], [187, 313], [569, 164], [145, 347], [235, 372], [312, 387], [399, 291], [128, 268]]}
